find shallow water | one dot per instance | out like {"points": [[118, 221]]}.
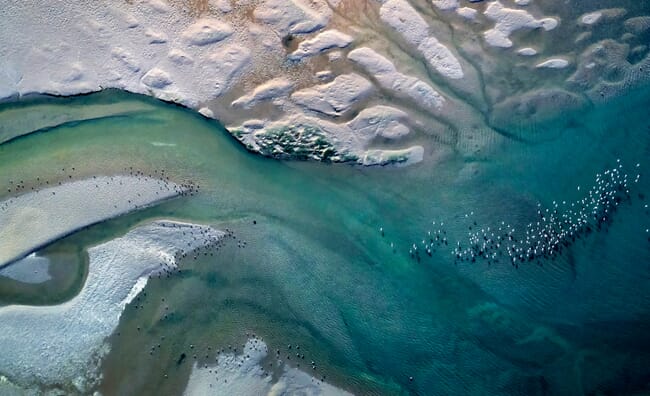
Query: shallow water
{"points": [[317, 272]]}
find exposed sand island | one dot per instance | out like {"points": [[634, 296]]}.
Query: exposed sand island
{"points": [[286, 77], [244, 375], [36, 218], [72, 334]]}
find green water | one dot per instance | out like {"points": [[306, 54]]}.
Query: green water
{"points": [[317, 272]]}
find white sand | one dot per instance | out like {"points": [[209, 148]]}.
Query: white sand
{"points": [[154, 47], [322, 42], [325, 75], [445, 4], [179, 57], [591, 18], [293, 16], [555, 63], [155, 37], [441, 58], [31, 269], [336, 97], [206, 112], [244, 375], [246, 54], [599, 17], [353, 137], [156, 78], [467, 12], [406, 156], [206, 31], [272, 89], [388, 77], [404, 19], [36, 218], [509, 20], [384, 121], [63, 343], [146, 47]]}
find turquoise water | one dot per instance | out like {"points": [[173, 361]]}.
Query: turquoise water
{"points": [[318, 272]]}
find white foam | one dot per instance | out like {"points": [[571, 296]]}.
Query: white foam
{"points": [[554, 63], [336, 97], [388, 77], [61, 344], [36, 218], [272, 89], [509, 20], [135, 290], [322, 42], [244, 375]]}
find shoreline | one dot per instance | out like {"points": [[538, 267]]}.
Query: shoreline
{"points": [[44, 98], [286, 78]]}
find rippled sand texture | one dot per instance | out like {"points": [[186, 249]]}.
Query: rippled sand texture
{"points": [[317, 79]]}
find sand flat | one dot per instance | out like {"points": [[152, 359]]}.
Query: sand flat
{"points": [[36, 218]]}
